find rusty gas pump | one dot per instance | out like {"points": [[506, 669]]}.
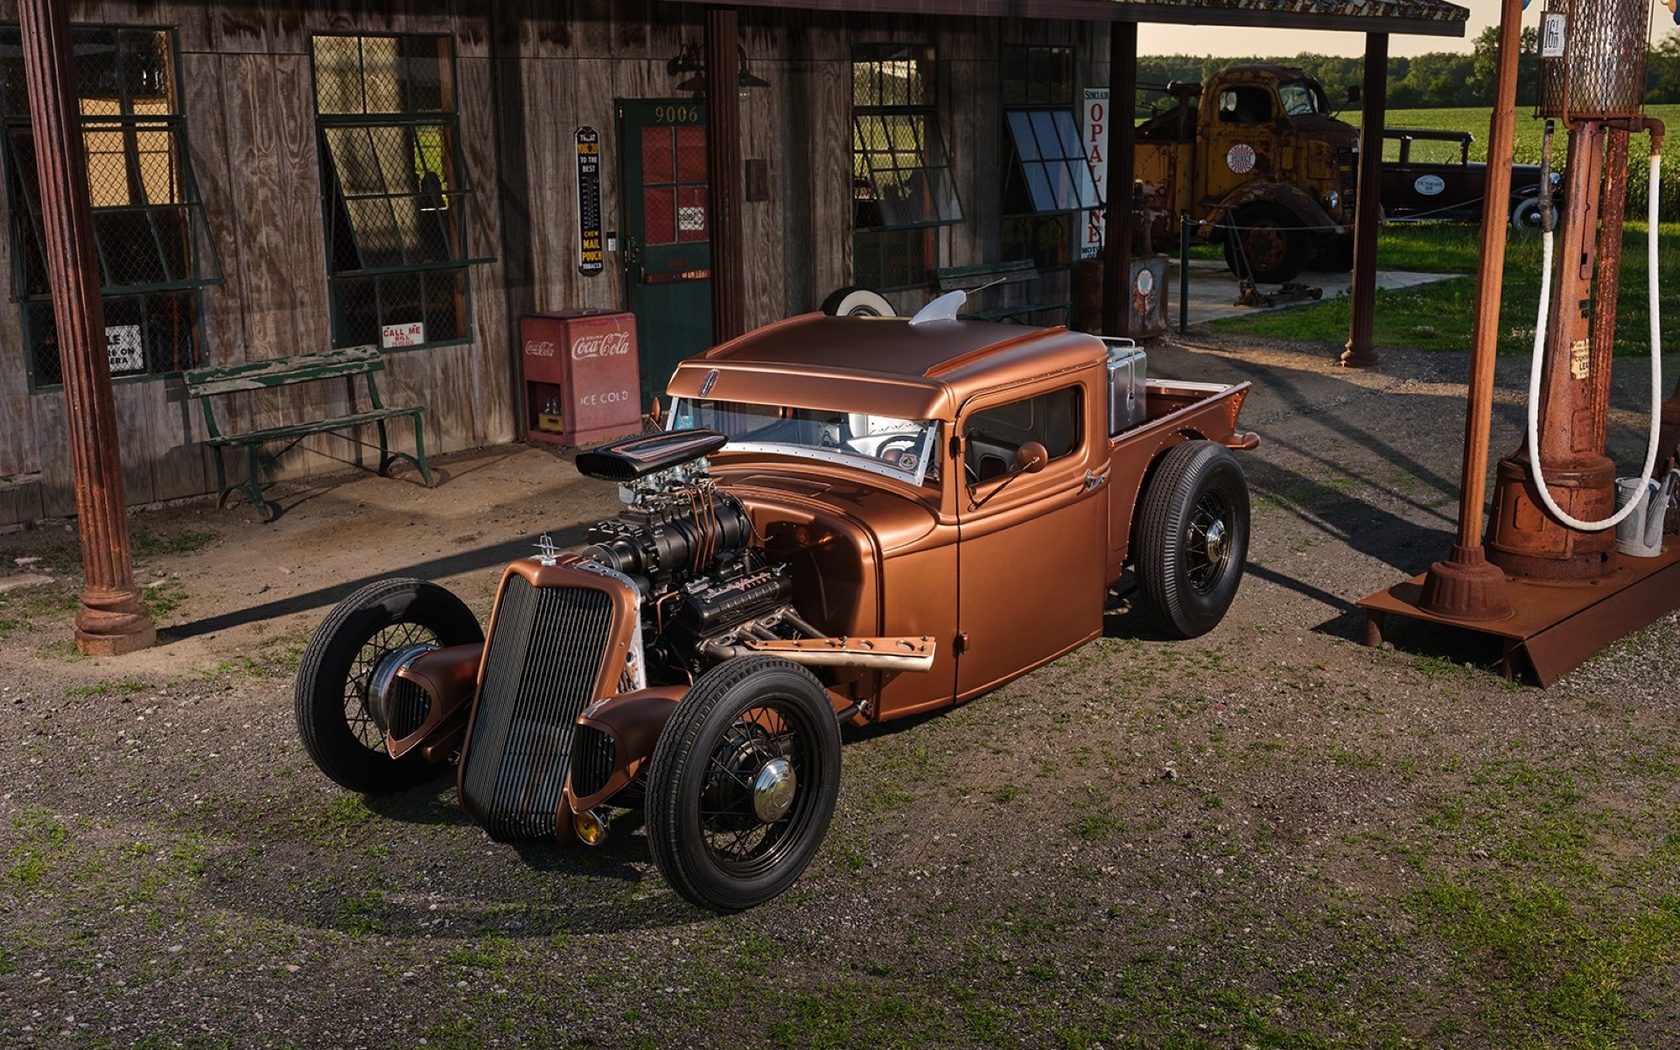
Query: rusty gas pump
{"points": [[1547, 578]]}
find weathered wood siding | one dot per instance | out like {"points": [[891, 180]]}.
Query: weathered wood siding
{"points": [[528, 75]]}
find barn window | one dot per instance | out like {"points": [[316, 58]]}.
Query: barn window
{"points": [[1048, 188], [394, 190], [901, 182], [152, 244]]}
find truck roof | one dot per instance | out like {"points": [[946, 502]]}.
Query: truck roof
{"points": [[883, 365]]}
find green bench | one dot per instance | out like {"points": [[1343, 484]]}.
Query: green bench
{"points": [[1007, 291], [208, 383]]}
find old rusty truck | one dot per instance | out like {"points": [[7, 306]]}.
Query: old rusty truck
{"points": [[843, 520], [1254, 160]]}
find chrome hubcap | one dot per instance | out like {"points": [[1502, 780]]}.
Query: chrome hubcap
{"points": [[773, 790]]}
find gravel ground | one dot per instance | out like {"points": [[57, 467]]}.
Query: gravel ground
{"points": [[1271, 836]]}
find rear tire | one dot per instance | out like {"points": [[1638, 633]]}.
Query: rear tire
{"points": [[1192, 538], [743, 783], [334, 719]]}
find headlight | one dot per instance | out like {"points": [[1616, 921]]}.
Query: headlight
{"points": [[1332, 200]]}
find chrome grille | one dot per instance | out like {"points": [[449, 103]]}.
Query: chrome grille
{"points": [[407, 707], [540, 668], [592, 760]]}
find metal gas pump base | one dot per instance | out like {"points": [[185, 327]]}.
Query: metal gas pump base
{"points": [[1554, 627]]}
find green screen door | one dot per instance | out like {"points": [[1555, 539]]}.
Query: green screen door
{"points": [[667, 239]]}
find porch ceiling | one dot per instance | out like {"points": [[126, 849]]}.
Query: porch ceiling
{"points": [[1416, 17]]}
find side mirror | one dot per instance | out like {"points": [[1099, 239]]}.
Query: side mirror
{"points": [[1031, 457], [1353, 93]]}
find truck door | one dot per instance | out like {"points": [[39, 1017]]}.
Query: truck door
{"points": [[1241, 139], [1030, 557]]}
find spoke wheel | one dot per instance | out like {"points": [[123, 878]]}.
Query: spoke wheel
{"points": [[743, 782], [342, 731], [1192, 538]]}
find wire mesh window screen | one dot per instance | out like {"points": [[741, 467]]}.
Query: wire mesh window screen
{"points": [[901, 178], [1037, 76], [395, 190], [151, 239]]}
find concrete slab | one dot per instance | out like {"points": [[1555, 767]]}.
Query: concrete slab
{"points": [[1213, 289]]}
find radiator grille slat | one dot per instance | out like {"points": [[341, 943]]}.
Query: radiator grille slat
{"points": [[541, 664], [592, 760]]}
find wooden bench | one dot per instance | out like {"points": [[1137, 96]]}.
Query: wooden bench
{"points": [[208, 383], [1009, 291]]}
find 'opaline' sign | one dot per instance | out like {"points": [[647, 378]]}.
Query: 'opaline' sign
{"points": [[591, 258], [1096, 154]]}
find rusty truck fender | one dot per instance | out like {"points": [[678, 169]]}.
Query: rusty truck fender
{"points": [[1298, 201]]}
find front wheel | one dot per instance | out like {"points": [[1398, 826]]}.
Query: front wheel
{"points": [[1192, 538], [341, 729], [1273, 244], [743, 782]]}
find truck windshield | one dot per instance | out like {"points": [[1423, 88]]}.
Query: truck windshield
{"points": [[896, 448], [1302, 98]]}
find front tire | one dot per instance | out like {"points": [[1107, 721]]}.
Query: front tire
{"points": [[1192, 538], [1273, 242], [743, 782], [335, 720]]}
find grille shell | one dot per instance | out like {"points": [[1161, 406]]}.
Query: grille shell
{"points": [[558, 640]]}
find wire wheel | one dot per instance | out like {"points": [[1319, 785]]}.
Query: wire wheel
{"points": [[1192, 538], [743, 783], [340, 727]]}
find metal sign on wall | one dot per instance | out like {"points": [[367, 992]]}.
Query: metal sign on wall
{"points": [[591, 258]]}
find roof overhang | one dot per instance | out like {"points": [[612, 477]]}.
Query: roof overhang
{"points": [[1413, 17]]}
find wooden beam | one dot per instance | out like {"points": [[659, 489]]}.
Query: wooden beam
{"points": [[1117, 210], [1360, 352], [723, 173]]}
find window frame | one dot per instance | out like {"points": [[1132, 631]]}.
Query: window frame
{"points": [[923, 165], [357, 185], [184, 259]]}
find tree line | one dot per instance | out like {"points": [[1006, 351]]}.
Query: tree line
{"points": [[1428, 81]]}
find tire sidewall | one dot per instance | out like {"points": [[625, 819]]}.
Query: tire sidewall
{"points": [[854, 301], [1187, 474], [677, 778], [1295, 244]]}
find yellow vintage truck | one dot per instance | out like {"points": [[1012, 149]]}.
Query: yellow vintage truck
{"points": [[1255, 160]]}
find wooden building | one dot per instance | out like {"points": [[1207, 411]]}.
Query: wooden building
{"points": [[269, 179]]}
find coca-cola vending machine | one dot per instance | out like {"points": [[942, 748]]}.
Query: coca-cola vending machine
{"points": [[581, 376]]}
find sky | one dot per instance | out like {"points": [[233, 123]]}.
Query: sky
{"points": [[1266, 43]]}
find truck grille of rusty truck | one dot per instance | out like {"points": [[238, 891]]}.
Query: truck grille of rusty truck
{"points": [[544, 663], [1347, 177]]}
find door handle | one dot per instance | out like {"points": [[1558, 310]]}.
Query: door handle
{"points": [[632, 254]]}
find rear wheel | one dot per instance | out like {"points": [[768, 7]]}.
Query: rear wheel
{"points": [[338, 725], [1272, 242], [1529, 214], [743, 782], [1192, 538]]}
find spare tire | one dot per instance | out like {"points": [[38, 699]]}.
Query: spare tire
{"points": [[852, 301]]}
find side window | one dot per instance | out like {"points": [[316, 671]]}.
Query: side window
{"points": [[1245, 105], [992, 436]]}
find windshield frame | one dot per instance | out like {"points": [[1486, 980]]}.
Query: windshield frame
{"points": [[849, 450]]}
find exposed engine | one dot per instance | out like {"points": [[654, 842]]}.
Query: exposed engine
{"points": [[691, 551]]}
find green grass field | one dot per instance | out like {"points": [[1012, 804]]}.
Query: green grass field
{"points": [[1529, 132]]}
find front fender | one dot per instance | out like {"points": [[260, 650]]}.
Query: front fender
{"points": [[631, 722], [1309, 211], [448, 677]]}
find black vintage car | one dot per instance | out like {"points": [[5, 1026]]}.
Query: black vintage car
{"points": [[1428, 174]]}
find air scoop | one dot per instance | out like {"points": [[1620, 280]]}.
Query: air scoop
{"points": [[630, 458]]}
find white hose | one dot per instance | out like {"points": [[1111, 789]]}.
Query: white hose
{"points": [[1656, 370]]}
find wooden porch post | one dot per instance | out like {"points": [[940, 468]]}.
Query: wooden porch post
{"points": [[111, 619], [1374, 106], [1117, 209], [723, 173]]}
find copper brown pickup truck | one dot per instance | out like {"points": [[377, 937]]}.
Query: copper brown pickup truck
{"points": [[845, 519]]}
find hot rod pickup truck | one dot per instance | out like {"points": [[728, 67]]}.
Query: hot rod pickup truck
{"points": [[843, 520]]}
